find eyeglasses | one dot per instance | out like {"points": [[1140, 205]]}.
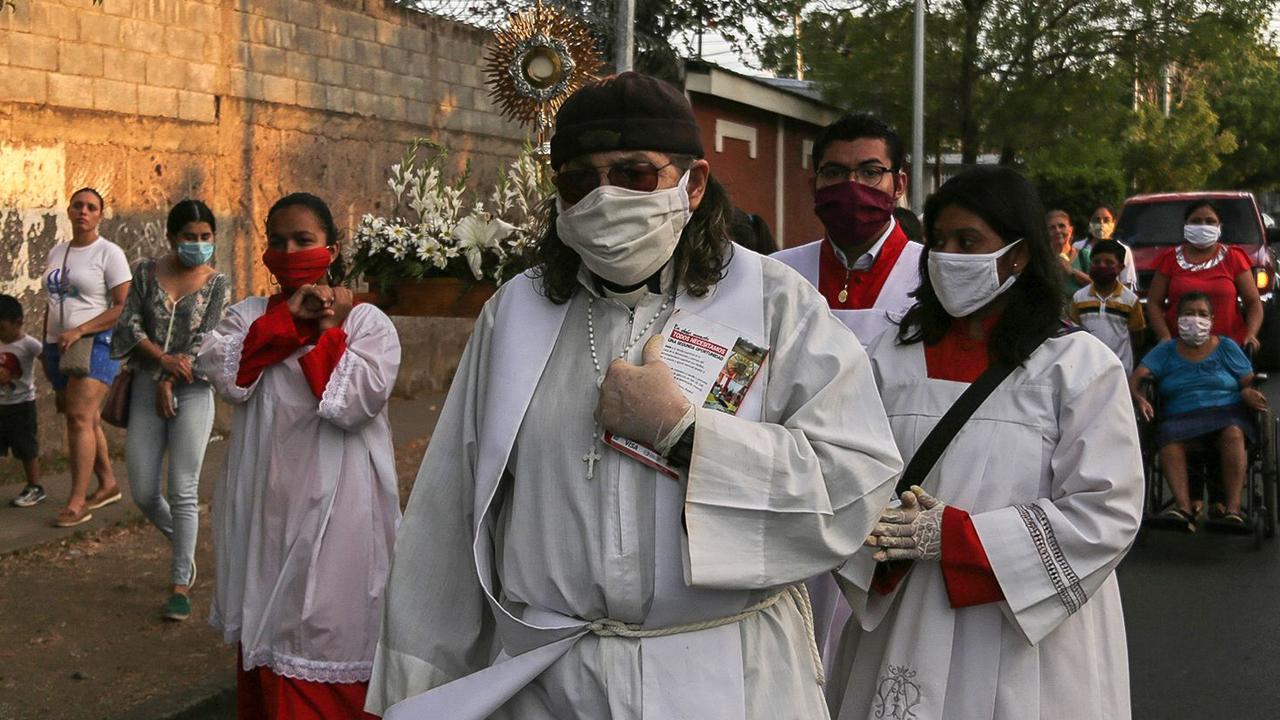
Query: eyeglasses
{"points": [[864, 174], [573, 185]]}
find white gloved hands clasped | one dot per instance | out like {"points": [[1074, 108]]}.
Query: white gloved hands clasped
{"points": [[643, 402], [910, 532]]}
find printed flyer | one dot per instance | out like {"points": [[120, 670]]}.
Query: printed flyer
{"points": [[714, 365]]}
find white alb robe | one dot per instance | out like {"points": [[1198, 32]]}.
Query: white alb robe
{"points": [[891, 304], [830, 611], [1050, 471], [492, 582], [306, 511]]}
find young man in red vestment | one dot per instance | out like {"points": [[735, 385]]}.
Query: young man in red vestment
{"points": [[864, 266]]}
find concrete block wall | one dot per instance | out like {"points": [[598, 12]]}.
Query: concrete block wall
{"points": [[236, 102]]}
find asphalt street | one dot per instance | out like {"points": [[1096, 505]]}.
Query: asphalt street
{"points": [[1202, 614]]}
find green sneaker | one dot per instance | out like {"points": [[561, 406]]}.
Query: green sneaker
{"points": [[178, 607]]}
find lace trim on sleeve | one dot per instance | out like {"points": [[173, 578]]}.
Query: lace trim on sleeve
{"points": [[1064, 579], [234, 348], [335, 397], [319, 671]]}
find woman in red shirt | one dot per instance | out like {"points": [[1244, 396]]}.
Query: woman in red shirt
{"points": [[1204, 264]]}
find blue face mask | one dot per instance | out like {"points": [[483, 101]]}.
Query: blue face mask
{"points": [[195, 253]]}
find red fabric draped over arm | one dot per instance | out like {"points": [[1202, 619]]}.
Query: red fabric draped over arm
{"points": [[272, 338]]}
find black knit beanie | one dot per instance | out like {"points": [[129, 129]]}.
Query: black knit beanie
{"points": [[628, 111]]}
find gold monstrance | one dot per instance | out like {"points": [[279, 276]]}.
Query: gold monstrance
{"points": [[538, 60]]}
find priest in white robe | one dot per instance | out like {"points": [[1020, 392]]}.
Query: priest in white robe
{"points": [[540, 574], [991, 593]]}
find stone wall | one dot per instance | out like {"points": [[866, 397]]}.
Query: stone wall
{"points": [[236, 102]]}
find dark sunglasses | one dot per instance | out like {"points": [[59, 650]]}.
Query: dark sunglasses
{"points": [[573, 185]]}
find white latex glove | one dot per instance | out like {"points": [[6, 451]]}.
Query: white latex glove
{"points": [[910, 532], [642, 402]]}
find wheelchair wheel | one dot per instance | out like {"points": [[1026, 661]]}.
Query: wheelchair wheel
{"points": [[1270, 473]]}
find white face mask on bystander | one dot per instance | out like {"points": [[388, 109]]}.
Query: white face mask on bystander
{"points": [[966, 283], [1201, 236], [622, 235], [1193, 329]]}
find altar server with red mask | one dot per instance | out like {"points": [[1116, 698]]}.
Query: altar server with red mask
{"points": [[306, 512], [865, 266]]}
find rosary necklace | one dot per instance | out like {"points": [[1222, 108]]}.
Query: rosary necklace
{"points": [[843, 297], [592, 455]]}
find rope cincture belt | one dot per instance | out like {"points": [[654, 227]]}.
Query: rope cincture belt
{"points": [[607, 627]]}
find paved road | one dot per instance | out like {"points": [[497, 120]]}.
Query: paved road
{"points": [[1203, 618]]}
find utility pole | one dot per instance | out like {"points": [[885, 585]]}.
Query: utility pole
{"points": [[795, 27], [917, 115], [625, 35]]}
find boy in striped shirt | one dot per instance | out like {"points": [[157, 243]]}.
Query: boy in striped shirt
{"points": [[1106, 308]]}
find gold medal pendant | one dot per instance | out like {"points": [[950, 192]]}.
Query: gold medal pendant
{"points": [[843, 297]]}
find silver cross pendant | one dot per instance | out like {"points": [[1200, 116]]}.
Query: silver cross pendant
{"points": [[590, 459]]}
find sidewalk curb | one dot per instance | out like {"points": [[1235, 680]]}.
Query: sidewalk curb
{"points": [[132, 518], [212, 700]]}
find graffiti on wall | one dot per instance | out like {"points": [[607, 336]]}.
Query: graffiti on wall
{"points": [[33, 218]]}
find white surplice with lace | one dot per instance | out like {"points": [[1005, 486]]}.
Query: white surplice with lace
{"points": [[305, 513]]}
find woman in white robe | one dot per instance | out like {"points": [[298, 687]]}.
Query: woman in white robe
{"points": [[991, 592], [306, 512]]}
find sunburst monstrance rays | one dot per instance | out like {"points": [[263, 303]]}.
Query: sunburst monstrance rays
{"points": [[538, 60]]}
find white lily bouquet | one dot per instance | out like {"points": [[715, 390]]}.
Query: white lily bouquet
{"points": [[436, 232]]}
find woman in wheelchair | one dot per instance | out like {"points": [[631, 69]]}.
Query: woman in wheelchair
{"points": [[1205, 387]]}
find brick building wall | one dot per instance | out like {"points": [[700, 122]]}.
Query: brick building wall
{"points": [[746, 166], [756, 138], [802, 225], [235, 102]]}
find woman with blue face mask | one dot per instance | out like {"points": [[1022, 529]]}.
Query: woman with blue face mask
{"points": [[175, 300]]}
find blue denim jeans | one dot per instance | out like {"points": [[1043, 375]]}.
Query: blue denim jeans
{"points": [[185, 437]]}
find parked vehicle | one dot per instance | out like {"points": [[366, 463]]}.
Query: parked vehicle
{"points": [[1150, 224]]}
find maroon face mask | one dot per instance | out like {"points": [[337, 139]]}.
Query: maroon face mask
{"points": [[853, 213]]}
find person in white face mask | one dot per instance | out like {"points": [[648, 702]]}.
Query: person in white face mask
{"points": [[1102, 226], [542, 574], [1025, 487], [1204, 263], [1205, 384]]}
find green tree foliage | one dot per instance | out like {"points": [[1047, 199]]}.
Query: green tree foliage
{"points": [[1008, 76], [1078, 190], [1177, 152], [1244, 90]]}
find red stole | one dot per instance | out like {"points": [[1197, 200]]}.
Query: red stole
{"points": [[864, 285]]}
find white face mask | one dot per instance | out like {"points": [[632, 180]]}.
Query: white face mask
{"points": [[622, 235], [1193, 329], [966, 283], [1202, 236], [1101, 230]]}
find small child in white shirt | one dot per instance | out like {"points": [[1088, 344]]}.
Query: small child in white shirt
{"points": [[18, 355]]}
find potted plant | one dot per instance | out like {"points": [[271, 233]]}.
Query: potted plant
{"points": [[442, 253]]}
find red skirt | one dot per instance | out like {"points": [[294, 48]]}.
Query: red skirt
{"points": [[264, 695]]}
